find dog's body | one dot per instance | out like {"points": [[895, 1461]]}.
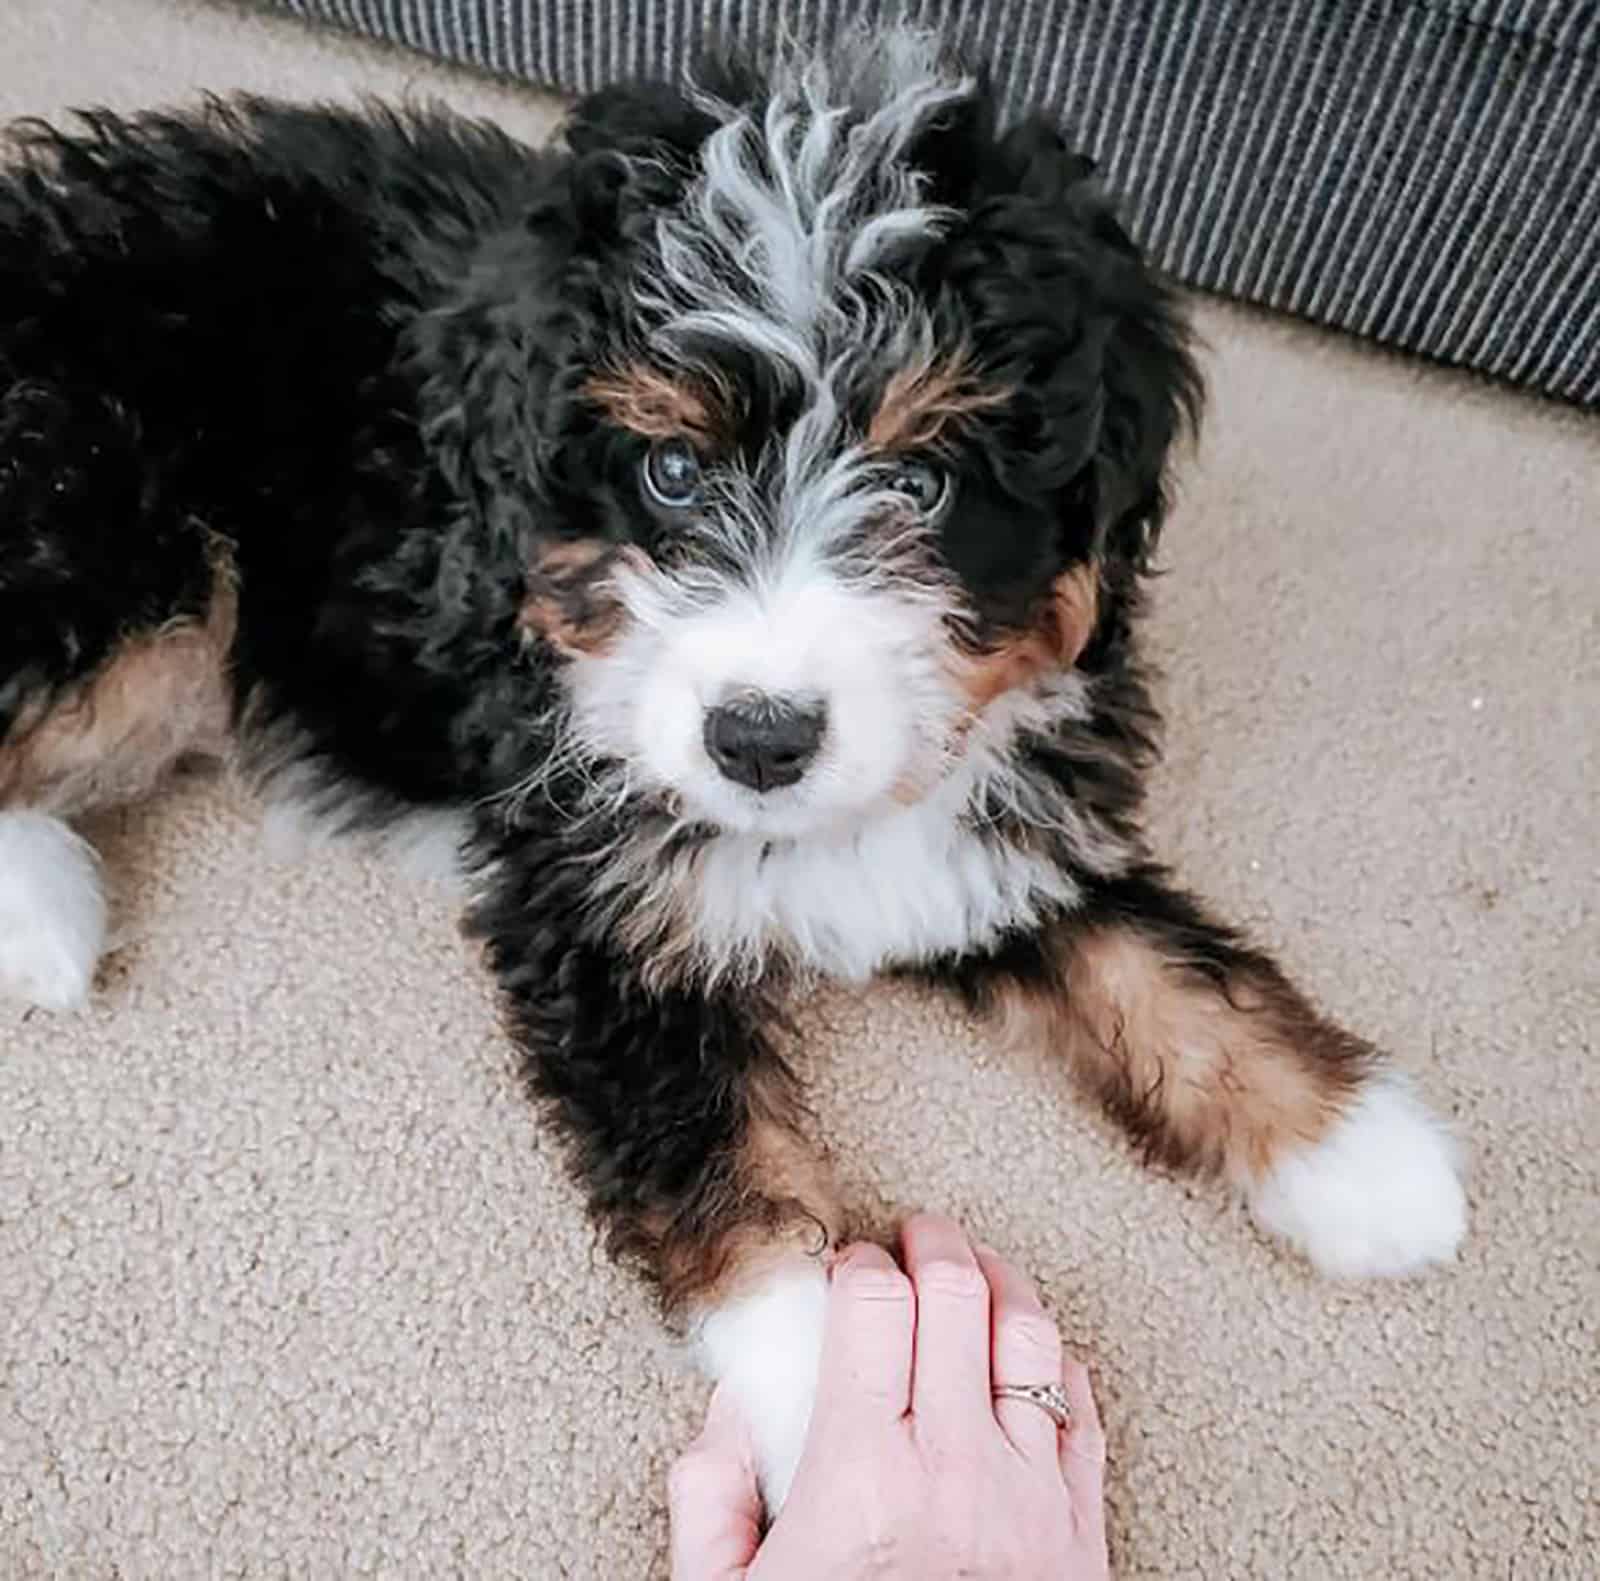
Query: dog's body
{"points": [[726, 528]]}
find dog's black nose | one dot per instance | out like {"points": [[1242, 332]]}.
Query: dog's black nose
{"points": [[764, 742]]}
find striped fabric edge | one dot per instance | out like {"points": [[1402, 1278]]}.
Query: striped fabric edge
{"points": [[1421, 173]]}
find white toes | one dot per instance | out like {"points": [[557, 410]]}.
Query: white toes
{"points": [[764, 1347], [1380, 1194], [52, 911]]}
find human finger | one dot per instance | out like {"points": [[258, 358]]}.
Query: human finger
{"points": [[865, 1372], [713, 1506], [1025, 1348], [1083, 1450], [950, 1378]]}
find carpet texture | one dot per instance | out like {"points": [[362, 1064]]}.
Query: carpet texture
{"points": [[290, 1281]]}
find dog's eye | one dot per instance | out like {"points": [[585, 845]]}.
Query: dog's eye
{"points": [[672, 473], [924, 486]]}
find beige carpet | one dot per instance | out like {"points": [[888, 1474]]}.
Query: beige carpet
{"points": [[290, 1283]]}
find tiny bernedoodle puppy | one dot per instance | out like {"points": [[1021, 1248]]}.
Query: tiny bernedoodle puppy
{"points": [[722, 535]]}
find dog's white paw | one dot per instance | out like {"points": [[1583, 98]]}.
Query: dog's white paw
{"points": [[1380, 1194], [764, 1346], [52, 911]]}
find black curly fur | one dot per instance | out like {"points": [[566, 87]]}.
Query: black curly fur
{"points": [[345, 353]]}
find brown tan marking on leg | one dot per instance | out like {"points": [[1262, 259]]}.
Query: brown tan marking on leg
{"points": [[776, 1202], [753, 1281], [1218, 1074], [112, 738]]}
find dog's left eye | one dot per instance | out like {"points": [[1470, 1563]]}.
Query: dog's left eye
{"points": [[924, 486], [672, 473]]}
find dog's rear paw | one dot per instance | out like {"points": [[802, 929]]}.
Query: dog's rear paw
{"points": [[52, 912], [1380, 1194]]}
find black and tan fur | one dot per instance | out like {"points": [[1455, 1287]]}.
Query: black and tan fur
{"points": [[397, 461]]}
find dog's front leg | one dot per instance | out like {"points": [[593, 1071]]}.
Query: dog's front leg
{"points": [[684, 1125], [1216, 1062]]}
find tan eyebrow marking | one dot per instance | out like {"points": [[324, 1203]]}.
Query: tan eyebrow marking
{"points": [[655, 406], [920, 401]]}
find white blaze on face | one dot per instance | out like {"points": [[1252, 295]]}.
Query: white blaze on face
{"points": [[797, 207]]}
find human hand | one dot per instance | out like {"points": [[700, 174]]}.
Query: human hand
{"points": [[911, 1467]]}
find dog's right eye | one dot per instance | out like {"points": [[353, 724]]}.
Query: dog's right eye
{"points": [[672, 473], [926, 487]]}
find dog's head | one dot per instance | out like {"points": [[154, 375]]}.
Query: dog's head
{"points": [[860, 430]]}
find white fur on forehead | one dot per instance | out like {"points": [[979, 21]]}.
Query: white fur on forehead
{"points": [[796, 207]]}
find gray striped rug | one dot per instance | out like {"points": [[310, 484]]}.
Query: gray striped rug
{"points": [[1425, 172]]}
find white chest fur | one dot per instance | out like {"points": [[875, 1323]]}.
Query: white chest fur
{"points": [[913, 883]]}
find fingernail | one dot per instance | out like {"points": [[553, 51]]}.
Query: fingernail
{"points": [[860, 1251]]}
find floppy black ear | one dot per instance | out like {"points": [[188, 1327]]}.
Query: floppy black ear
{"points": [[965, 158], [501, 356], [634, 147], [637, 118], [1153, 393], [1065, 311]]}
